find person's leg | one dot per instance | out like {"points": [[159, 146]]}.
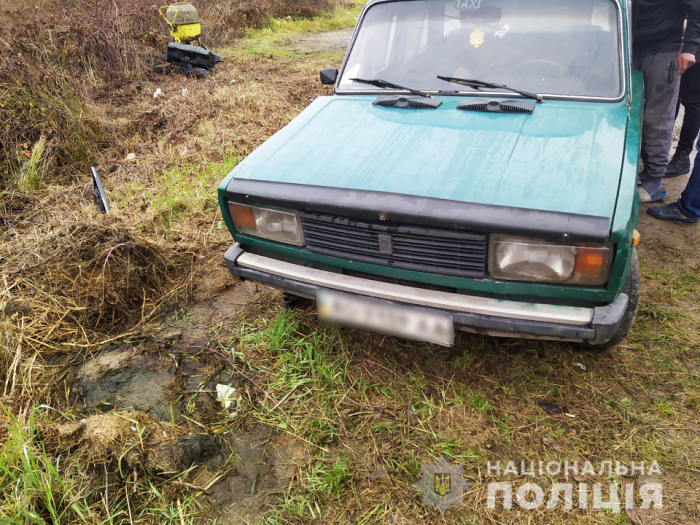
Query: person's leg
{"points": [[687, 209], [661, 81], [689, 96], [638, 63], [690, 198]]}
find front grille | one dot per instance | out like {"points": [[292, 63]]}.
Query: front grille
{"points": [[451, 252]]}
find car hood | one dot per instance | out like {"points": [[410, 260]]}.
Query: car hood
{"points": [[565, 157]]}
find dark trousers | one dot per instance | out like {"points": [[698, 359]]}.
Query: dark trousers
{"points": [[690, 198], [689, 96], [661, 83]]}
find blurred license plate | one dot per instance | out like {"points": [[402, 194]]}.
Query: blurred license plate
{"points": [[383, 317]]}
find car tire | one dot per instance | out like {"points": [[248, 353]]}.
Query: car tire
{"points": [[631, 288]]}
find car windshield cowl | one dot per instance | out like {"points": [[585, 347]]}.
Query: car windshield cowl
{"points": [[513, 42]]}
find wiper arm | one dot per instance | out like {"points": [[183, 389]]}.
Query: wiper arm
{"points": [[386, 84], [478, 84]]}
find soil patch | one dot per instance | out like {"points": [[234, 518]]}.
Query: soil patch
{"points": [[326, 42]]}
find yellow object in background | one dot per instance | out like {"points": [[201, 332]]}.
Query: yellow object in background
{"points": [[183, 21]]}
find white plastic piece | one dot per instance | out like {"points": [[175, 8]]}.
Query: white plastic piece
{"points": [[226, 395]]}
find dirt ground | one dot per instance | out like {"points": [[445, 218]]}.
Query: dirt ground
{"points": [[249, 460], [326, 42]]}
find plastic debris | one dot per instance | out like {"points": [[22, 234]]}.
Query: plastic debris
{"points": [[227, 396], [184, 92], [98, 193], [580, 365], [157, 93], [131, 156]]}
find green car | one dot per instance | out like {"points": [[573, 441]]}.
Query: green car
{"points": [[475, 169]]}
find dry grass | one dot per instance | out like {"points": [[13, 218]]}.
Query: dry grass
{"points": [[80, 278], [58, 59], [97, 276], [369, 410], [73, 280]]}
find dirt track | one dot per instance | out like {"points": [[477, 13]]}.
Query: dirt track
{"points": [[328, 42]]}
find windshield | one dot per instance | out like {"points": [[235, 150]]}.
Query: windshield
{"points": [[558, 47]]}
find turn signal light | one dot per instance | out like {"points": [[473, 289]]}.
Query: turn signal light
{"points": [[589, 262], [242, 216]]}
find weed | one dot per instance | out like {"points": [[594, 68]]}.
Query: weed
{"points": [[30, 172], [328, 480]]}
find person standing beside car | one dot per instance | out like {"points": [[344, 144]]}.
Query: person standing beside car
{"points": [[662, 53], [689, 97]]}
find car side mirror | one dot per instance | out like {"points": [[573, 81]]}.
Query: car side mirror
{"points": [[329, 76]]}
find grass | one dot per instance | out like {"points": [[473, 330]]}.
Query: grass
{"points": [[341, 17], [30, 174], [269, 38], [37, 487], [185, 190], [372, 410], [166, 196], [32, 487], [367, 411]]}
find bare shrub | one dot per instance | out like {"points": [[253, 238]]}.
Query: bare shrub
{"points": [[224, 21], [48, 67], [51, 63]]}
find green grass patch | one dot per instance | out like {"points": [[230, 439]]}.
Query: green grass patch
{"points": [[38, 488], [171, 196], [271, 37]]}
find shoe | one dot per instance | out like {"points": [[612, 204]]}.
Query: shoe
{"points": [[679, 165], [644, 196], [672, 212]]}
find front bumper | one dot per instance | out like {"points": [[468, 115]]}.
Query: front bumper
{"points": [[471, 313]]}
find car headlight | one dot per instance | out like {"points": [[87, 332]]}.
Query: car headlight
{"points": [[274, 225], [523, 259]]}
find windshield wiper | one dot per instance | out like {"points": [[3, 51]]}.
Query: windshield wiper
{"points": [[478, 84], [378, 82]]}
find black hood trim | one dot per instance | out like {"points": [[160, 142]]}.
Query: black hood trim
{"points": [[424, 211]]}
